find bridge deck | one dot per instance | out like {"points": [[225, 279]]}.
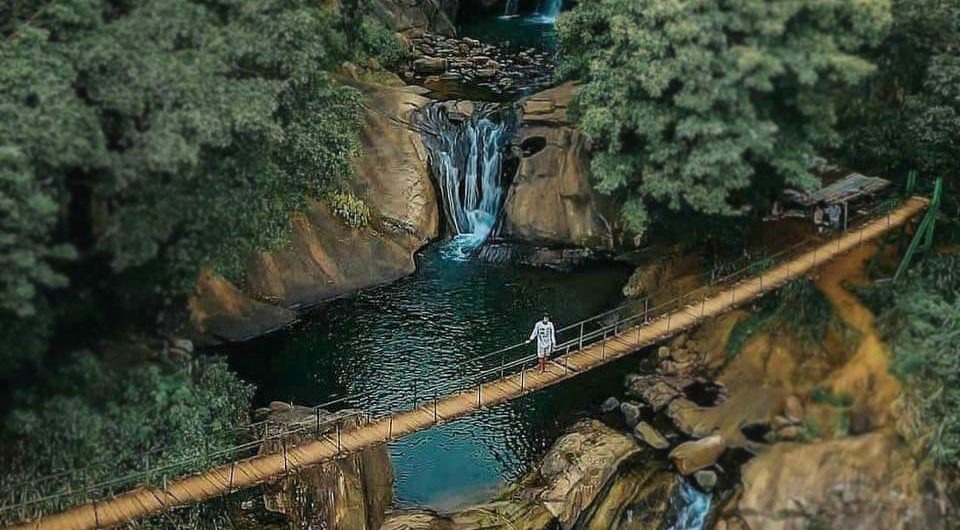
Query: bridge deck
{"points": [[242, 474]]}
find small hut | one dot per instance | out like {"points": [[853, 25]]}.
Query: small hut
{"points": [[829, 206]]}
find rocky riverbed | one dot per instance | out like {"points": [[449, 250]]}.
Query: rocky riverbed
{"points": [[445, 63]]}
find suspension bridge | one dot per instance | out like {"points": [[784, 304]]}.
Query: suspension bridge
{"points": [[501, 376]]}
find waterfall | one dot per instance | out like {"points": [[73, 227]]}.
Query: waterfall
{"points": [[548, 11], [466, 155], [691, 507], [511, 9]]}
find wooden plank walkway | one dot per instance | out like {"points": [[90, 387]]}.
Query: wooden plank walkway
{"points": [[141, 502]]}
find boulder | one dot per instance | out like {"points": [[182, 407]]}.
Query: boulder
{"points": [[790, 433], [650, 436], [638, 498], [609, 405], [657, 391], [686, 416], [663, 353], [793, 409], [862, 482], [551, 199], [631, 413], [575, 470], [690, 457], [430, 65], [706, 479]]}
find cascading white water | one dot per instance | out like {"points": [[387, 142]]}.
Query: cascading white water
{"points": [[512, 7], [466, 158], [691, 507], [548, 11]]}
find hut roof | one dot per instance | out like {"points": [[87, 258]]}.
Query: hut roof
{"points": [[850, 187]]}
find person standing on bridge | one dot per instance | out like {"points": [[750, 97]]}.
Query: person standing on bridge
{"points": [[546, 340]]}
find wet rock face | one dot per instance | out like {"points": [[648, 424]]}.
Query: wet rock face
{"points": [[326, 257], [407, 16], [551, 200], [352, 493], [501, 71]]}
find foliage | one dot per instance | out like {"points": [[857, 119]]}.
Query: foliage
{"points": [[799, 305], [824, 396], [907, 116], [747, 328], [350, 208], [384, 45], [921, 318], [169, 134], [709, 105], [27, 215], [86, 415]]}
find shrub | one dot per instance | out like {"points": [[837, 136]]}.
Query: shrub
{"points": [[383, 44], [921, 321], [350, 208]]}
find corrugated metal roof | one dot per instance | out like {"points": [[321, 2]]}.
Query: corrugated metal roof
{"points": [[850, 187]]}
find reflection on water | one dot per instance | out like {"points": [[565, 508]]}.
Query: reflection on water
{"points": [[396, 340]]}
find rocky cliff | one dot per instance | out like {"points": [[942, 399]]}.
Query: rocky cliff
{"points": [[352, 493], [327, 257], [551, 200]]}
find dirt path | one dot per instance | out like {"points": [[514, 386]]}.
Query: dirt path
{"points": [[865, 376]]}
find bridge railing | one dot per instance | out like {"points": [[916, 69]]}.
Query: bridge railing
{"points": [[30, 498]]}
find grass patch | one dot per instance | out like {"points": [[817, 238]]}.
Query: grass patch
{"points": [[824, 396], [799, 306]]}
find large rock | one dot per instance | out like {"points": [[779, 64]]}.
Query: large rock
{"points": [[650, 436], [655, 390], [638, 498], [327, 258], [413, 16], [551, 200], [224, 313], [690, 457], [859, 483], [352, 493], [576, 469]]}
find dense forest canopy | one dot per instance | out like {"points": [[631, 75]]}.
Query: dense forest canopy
{"points": [[714, 107], [141, 141]]}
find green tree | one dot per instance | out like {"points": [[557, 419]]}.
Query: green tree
{"points": [[160, 136], [920, 316], [109, 422], [907, 115], [707, 105]]}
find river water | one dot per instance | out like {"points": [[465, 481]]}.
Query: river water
{"points": [[426, 328]]}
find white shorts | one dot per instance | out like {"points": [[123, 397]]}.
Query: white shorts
{"points": [[544, 351]]}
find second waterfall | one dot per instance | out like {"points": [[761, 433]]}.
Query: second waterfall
{"points": [[467, 151]]}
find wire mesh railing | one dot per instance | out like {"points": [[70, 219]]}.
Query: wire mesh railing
{"points": [[29, 499]]}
